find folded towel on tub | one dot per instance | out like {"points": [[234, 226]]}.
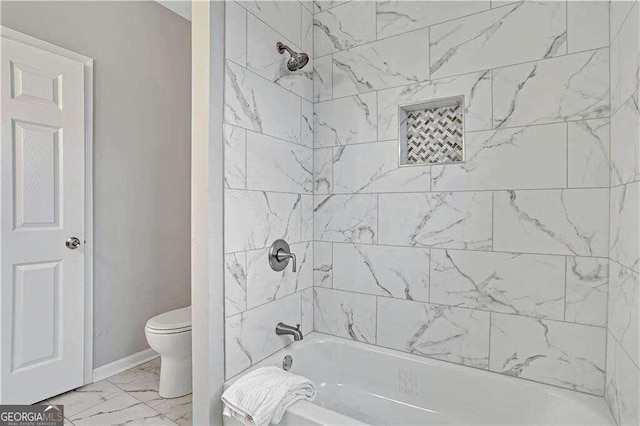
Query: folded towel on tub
{"points": [[262, 396]]}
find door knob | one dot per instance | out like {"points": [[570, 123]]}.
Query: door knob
{"points": [[72, 243]]}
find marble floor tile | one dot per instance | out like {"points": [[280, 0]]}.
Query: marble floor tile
{"points": [[142, 382], [130, 397], [123, 409], [177, 410], [85, 397]]}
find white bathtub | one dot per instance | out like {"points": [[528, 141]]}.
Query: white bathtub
{"points": [[363, 384]]}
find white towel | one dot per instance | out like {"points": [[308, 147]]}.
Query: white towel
{"points": [[262, 396]]}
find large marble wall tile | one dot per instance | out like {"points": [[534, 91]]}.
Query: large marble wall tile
{"points": [[587, 25], [346, 121], [475, 87], [306, 217], [344, 314], [623, 385], [346, 218], [266, 285], [444, 219], [400, 272], [344, 27], [625, 60], [625, 225], [264, 59], [521, 284], [587, 288], [443, 332], [306, 124], [254, 219], [625, 142], [235, 47], [508, 159], [235, 157], [306, 320], [397, 17], [558, 353], [235, 283], [618, 12], [307, 32], [571, 221], [588, 153], [249, 336], [382, 64], [572, 87], [322, 264], [380, 171], [275, 165], [282, 16], [624, 309], [496, 38], [322, 170], [256, 104], [323, 78]]}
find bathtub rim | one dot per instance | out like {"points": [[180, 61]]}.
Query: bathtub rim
{"points": [[316, 337]]}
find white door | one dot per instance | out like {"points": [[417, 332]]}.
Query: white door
{"points": [[41, 206]]}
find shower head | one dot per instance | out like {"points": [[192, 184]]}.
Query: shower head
{"points": [[297, 60]]}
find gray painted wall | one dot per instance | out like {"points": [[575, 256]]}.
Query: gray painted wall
{"points": [[142, 137]]}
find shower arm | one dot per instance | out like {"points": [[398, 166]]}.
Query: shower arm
{"points": [[282, 47]]}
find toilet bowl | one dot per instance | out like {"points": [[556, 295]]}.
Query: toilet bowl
{"points": [[169, 334]]}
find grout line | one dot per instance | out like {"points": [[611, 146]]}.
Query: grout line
{"points": [[246, 36], [567, 153], [375, 337], [377, 218], [332, 263], [564, 307], [453, 307], [493, 214], [423, 193], [470, 132], [492, 110], [489, 354], [566, 24], [482, 70], [449, 249], [429, 275], [246, 161]]}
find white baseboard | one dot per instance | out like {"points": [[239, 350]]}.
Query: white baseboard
{"points": [[123, 364]]}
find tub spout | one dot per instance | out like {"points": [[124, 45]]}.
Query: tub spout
{"points": [[282, 329]]}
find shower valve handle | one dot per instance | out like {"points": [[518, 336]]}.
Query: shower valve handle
{"points": [[279, 255]]}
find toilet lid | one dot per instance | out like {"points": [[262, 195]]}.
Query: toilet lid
{"points": [[172, 320]]}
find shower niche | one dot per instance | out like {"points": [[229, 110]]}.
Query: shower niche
{"points": [[432, 132]]}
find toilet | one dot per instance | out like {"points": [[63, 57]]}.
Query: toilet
{"points": [[169, 334]]}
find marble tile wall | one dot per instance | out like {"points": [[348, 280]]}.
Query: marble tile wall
{"points": [[501, 263], [622, 386], [269, 181]]}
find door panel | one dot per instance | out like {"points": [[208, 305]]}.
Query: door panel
{"points": [[36, 315], [41, 205], [36, 150]]}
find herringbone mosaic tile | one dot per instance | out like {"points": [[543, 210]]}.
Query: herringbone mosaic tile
{"points": [[434, 135]]}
